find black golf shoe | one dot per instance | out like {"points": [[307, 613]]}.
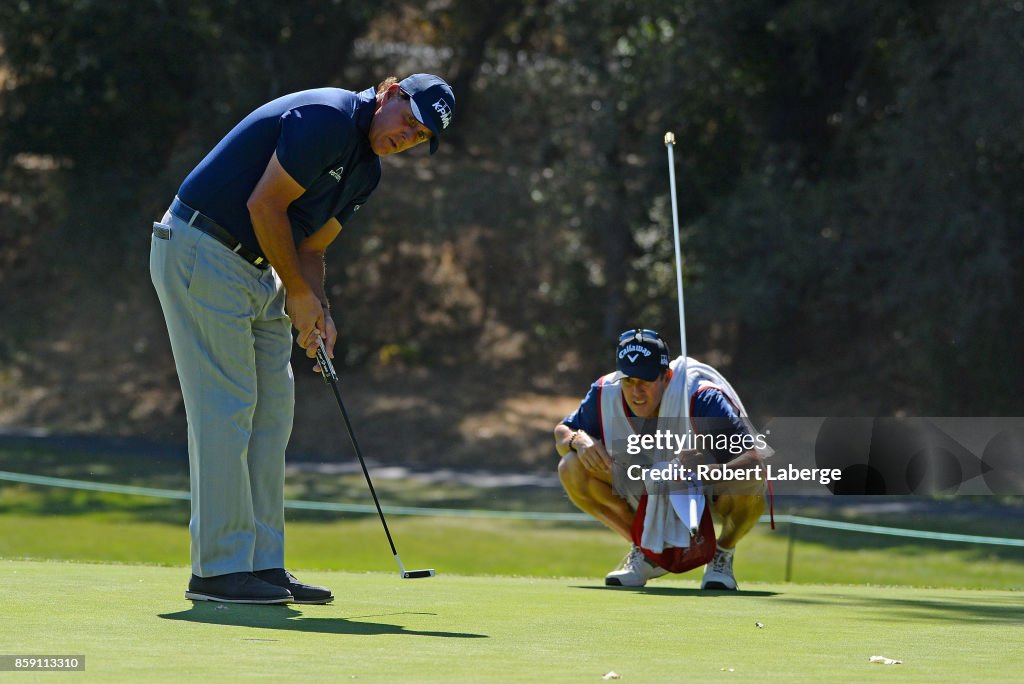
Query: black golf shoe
{"points": [[302, 593], [236, 587]]}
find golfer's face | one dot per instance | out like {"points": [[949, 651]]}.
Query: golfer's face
{"points": [[394, 127], [644, 396]]}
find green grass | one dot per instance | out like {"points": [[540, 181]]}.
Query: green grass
{"points": [[131, 622], [54, 523], [509, 547], [102, 575]]}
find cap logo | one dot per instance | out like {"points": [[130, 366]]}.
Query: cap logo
{"points": [[445, 112], [625, 352]]}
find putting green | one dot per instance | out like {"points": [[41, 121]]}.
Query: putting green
{"points": [[132, 623]]}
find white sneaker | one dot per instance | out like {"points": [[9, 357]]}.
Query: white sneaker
{"points": [[633, 571], [718, 573]]}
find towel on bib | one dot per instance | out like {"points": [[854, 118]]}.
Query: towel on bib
{"points": [[667, 518]]}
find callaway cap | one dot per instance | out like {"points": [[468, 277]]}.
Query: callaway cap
{"points": [[432, 102], [641, 354]]}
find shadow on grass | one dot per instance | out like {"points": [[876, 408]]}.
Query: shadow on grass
{"points": [[288, 618], [678, 591], [1009, 609], [1003, 609]]}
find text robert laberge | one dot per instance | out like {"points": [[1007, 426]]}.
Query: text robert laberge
{"points": [[674, 472]]}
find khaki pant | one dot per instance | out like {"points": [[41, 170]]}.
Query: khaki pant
{"points": [[231, 340]]}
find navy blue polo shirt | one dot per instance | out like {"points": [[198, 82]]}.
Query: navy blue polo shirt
{"points": [[320, 137], [711, 412]]}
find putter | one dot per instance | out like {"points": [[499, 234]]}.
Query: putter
{"points": [[331, 378]]}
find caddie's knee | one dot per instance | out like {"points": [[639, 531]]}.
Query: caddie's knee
{"points": [[753, 504], [572, 474], [749, 488], [576, 478], [740, 507]]}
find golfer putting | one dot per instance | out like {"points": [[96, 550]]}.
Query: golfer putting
{"points": [[237, 261]]}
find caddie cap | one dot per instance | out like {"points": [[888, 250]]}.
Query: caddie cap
{"points": [[432, 102], [641, 354]]}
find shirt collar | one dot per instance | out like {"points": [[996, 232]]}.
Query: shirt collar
{"points": [[364, 110]]}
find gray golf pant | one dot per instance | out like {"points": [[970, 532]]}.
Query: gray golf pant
{"points": [[231, 340]]}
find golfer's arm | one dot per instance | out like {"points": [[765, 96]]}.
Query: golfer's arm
{"points": [[268, 209], [311, 253]]}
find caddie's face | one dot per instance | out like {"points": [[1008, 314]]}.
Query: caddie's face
{"points": [[644, 396], [394, 127]]}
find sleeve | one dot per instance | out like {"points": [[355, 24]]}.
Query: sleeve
{"points": [[713, 414], [587, 416], [311, 137], [350, 209]]}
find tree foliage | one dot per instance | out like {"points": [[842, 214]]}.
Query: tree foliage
{"points": [[849, 174]]}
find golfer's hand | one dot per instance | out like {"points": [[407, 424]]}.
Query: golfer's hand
{"points": [[307, 316], [329, 341], [592, 454]]}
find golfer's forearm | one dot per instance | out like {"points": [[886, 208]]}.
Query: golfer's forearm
{"points": [[313, 269], [274, 233]]}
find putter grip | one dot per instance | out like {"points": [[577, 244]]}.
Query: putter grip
{"points": [[326, 367]]}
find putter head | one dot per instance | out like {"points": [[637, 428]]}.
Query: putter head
{"points": [[417, 574]]}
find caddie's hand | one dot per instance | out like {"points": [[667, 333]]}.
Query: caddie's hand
{"points": [[592, 453], [307, 316], [329, 341], [693, 458]]}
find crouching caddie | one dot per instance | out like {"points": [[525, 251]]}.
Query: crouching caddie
{"points": [[596, 443]]}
